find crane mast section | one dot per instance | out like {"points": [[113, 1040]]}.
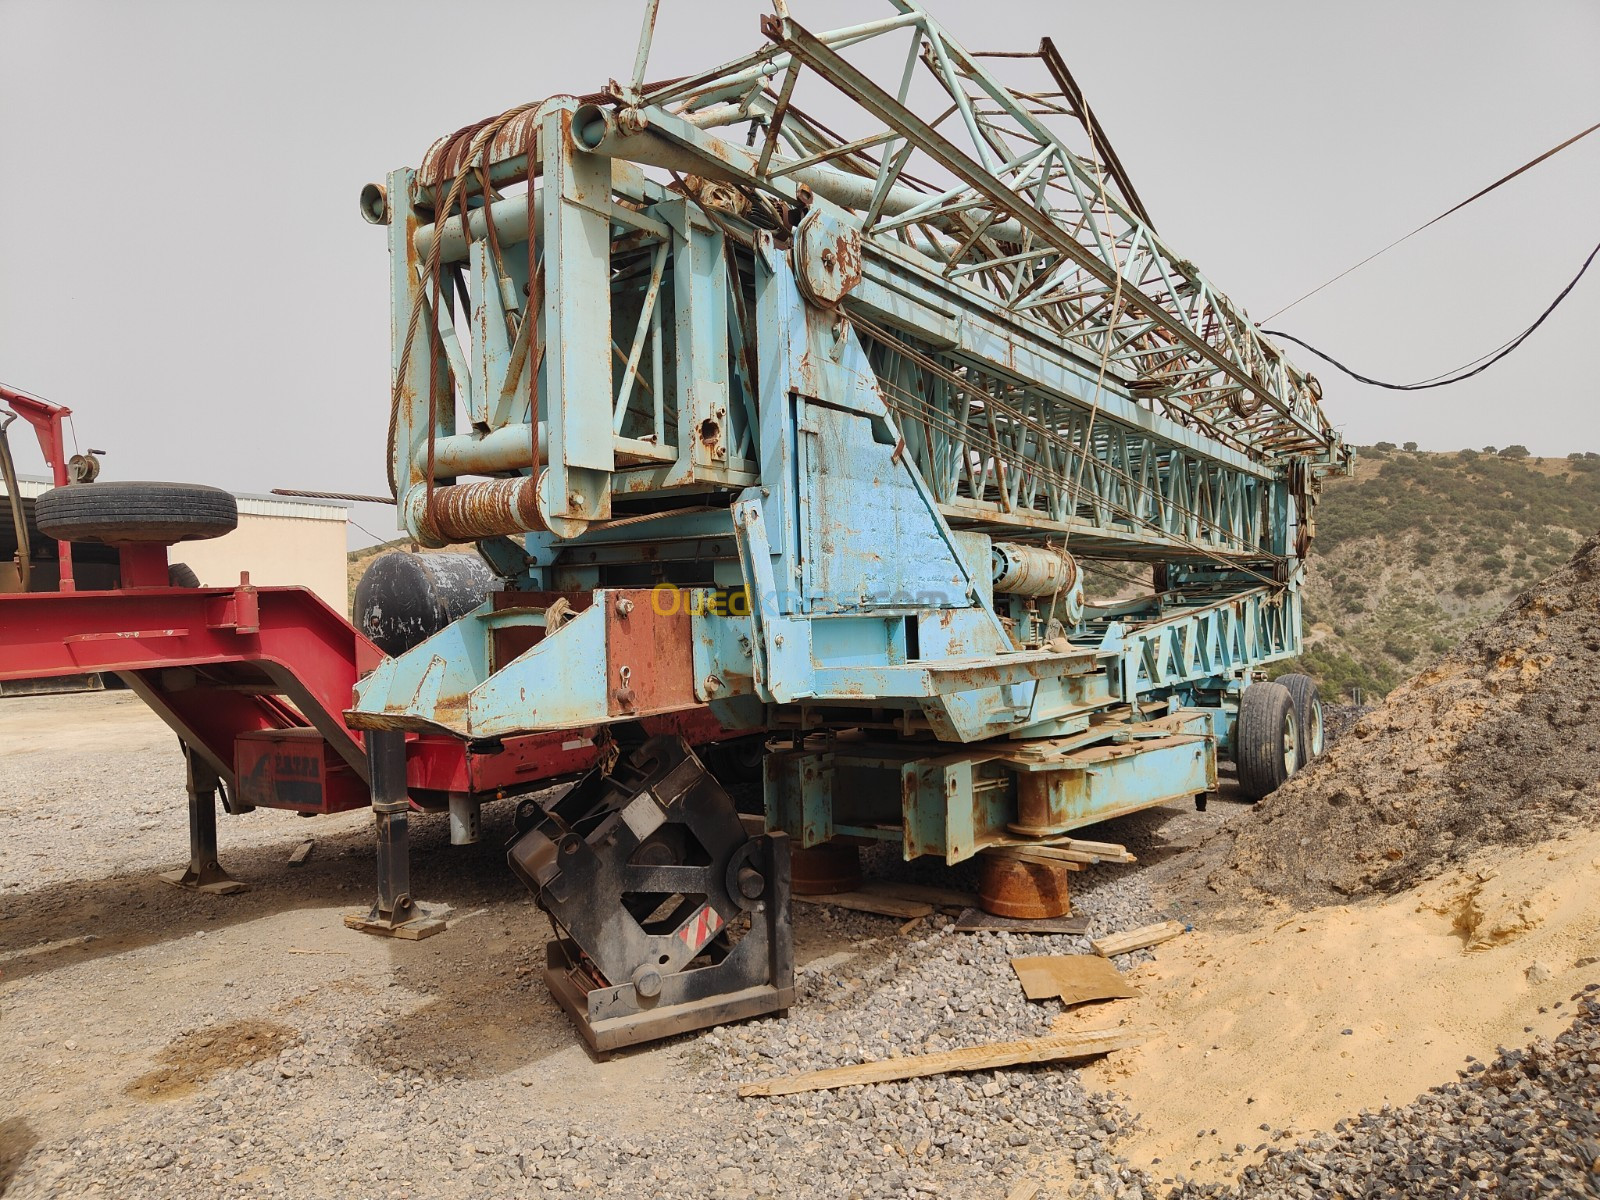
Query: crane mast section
{"points": [[811, 429], [1027, 221]]}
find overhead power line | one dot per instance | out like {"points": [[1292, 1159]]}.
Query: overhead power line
{"points": [[1532, 162], [1460, 373]]}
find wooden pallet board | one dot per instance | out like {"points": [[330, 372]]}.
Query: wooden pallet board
{"points": [[1071, 850], [975, 920], [1071, 978], [1137, 939], [883, 906], [1049, 1048]]}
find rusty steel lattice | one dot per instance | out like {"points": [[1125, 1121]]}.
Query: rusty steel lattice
{"points": [[1045, 232]]}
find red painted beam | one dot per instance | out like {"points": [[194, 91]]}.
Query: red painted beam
{"points": [[183, 648]]}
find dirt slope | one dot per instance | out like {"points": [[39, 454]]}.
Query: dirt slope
{"points": [[1497, 744]]}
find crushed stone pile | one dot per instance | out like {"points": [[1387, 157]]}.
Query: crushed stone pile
{"points": [[1497, 744], [1527, 1124]]}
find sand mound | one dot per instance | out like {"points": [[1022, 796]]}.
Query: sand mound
{"points": [[1498, 744], [1295, 1023]]}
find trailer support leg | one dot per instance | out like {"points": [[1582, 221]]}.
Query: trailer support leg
{"points": [[204, 873], [395, 914]]}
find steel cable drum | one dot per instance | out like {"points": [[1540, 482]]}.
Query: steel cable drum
{"points": [[405, 598], [1040, 572]]}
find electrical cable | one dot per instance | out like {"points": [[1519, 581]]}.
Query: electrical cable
{"points": [[1483, 362], [1531, 163]]}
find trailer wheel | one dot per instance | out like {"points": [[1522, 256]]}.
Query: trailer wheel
{"points": [[182, 575], [1308, 707], [1266, 739], [126, 511]]}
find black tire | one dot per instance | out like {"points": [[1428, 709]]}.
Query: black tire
{"points": [[126, 511], [1266, 739], [1308, 708], [182, 575]]}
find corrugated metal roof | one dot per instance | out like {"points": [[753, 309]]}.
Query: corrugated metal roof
{"points": [[282, 507], [299, 510]]}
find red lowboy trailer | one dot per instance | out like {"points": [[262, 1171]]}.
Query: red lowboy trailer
{"points": [[255, 682]]}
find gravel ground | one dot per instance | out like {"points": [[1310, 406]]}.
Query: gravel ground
{"points": [[1527, 1124], [166, 1045], [249, 1046]]}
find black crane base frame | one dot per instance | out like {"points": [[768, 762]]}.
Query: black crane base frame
{"points": [[675, 917]]}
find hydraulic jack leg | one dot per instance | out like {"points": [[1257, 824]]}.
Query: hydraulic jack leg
{"points": [[204, 873], [395, 914]]}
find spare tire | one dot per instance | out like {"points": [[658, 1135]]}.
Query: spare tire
{"points": [[182, 575], [129, 511]]}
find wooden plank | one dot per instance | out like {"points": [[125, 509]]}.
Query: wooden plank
{"points": [[1137, 939], [1029, 854], [939, 897], [974, 920], [883, 906], [301, 853], [1070, 851], [1026, 1190], [1049, 1048], [1108, 849]]}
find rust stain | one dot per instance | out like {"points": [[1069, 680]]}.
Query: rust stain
{"points": [[466, 512]]}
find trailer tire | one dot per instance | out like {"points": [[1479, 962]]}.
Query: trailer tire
{"points": [[1266, 739], [1308, 707], [182, 575], [129, 511]]}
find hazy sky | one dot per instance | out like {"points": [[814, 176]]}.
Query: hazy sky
{"points": [[182, 261]]}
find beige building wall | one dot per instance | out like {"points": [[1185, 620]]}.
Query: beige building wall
{"points": [[279, 542]]}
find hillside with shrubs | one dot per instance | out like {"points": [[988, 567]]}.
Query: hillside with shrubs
{"points": [[1419, 547]]}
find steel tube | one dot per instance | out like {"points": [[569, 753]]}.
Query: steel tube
{"points": [[510, 217], [508, 448], [597, 130], [386, 758], [1033, 803], [1032, 570], [466, 512]]}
